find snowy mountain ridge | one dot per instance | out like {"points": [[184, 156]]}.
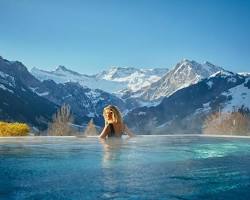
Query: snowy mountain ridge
{"points": [[185, 110], [20, 91], [114, 80], [64, 75], [184, 74], [134, 78]]}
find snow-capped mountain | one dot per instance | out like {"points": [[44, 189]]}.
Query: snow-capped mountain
{"points": [[182, 110], [85, 103], [238, 95], [135, 79], [184, 74], [185, 110], [25, 98], [244, 73], [116, 80], [17, 101], [64, 75]]}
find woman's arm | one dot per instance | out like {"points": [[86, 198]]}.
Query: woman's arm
{"points": [[126, 129], [104, 132]]}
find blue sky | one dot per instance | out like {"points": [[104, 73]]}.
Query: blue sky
{"points": [[90, 36]]}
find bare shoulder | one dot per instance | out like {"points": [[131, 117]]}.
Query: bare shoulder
{"points": [[128, 131]]}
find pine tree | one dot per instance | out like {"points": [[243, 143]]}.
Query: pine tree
{"points": [[90, 129]]}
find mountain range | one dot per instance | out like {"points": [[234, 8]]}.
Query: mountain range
{"points": [[25, 98], [184, 74], [185, 110], [153, 101], [115, 80], [18, 102]]}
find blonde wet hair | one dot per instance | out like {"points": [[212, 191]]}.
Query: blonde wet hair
{"points": [[116, 114]]}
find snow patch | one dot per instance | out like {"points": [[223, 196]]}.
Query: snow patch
{"points": [[240, 96], [33, 89], [68, 96], [93, 94], [91, 114], [232, 79], [149, 104], [210, 84], [5, 88], [7, 79], [244, 73], [42, 94], [141, 113]]}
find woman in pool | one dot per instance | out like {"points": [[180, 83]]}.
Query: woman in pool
{"points": [[114, 126]]}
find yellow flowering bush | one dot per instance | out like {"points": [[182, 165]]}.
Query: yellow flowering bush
{"points": [[13, 129]]}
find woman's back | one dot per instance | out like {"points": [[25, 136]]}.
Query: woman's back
{"points": [[115, 130]]}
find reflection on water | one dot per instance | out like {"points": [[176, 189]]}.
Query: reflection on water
{"points": [[138, 168], [112, 151]]}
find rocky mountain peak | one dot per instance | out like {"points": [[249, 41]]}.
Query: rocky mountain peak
{"points": [[185, 73], [62, 69]]}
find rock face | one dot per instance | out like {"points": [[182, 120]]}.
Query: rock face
{"points": [[18, 102], [184, 74], [85, 103], [184, 111], [21, 89]]}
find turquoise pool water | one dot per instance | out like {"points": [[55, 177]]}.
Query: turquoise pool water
{"points": [[149, 167]]}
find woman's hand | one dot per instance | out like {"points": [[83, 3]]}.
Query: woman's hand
{"points": [[104, 132]]}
